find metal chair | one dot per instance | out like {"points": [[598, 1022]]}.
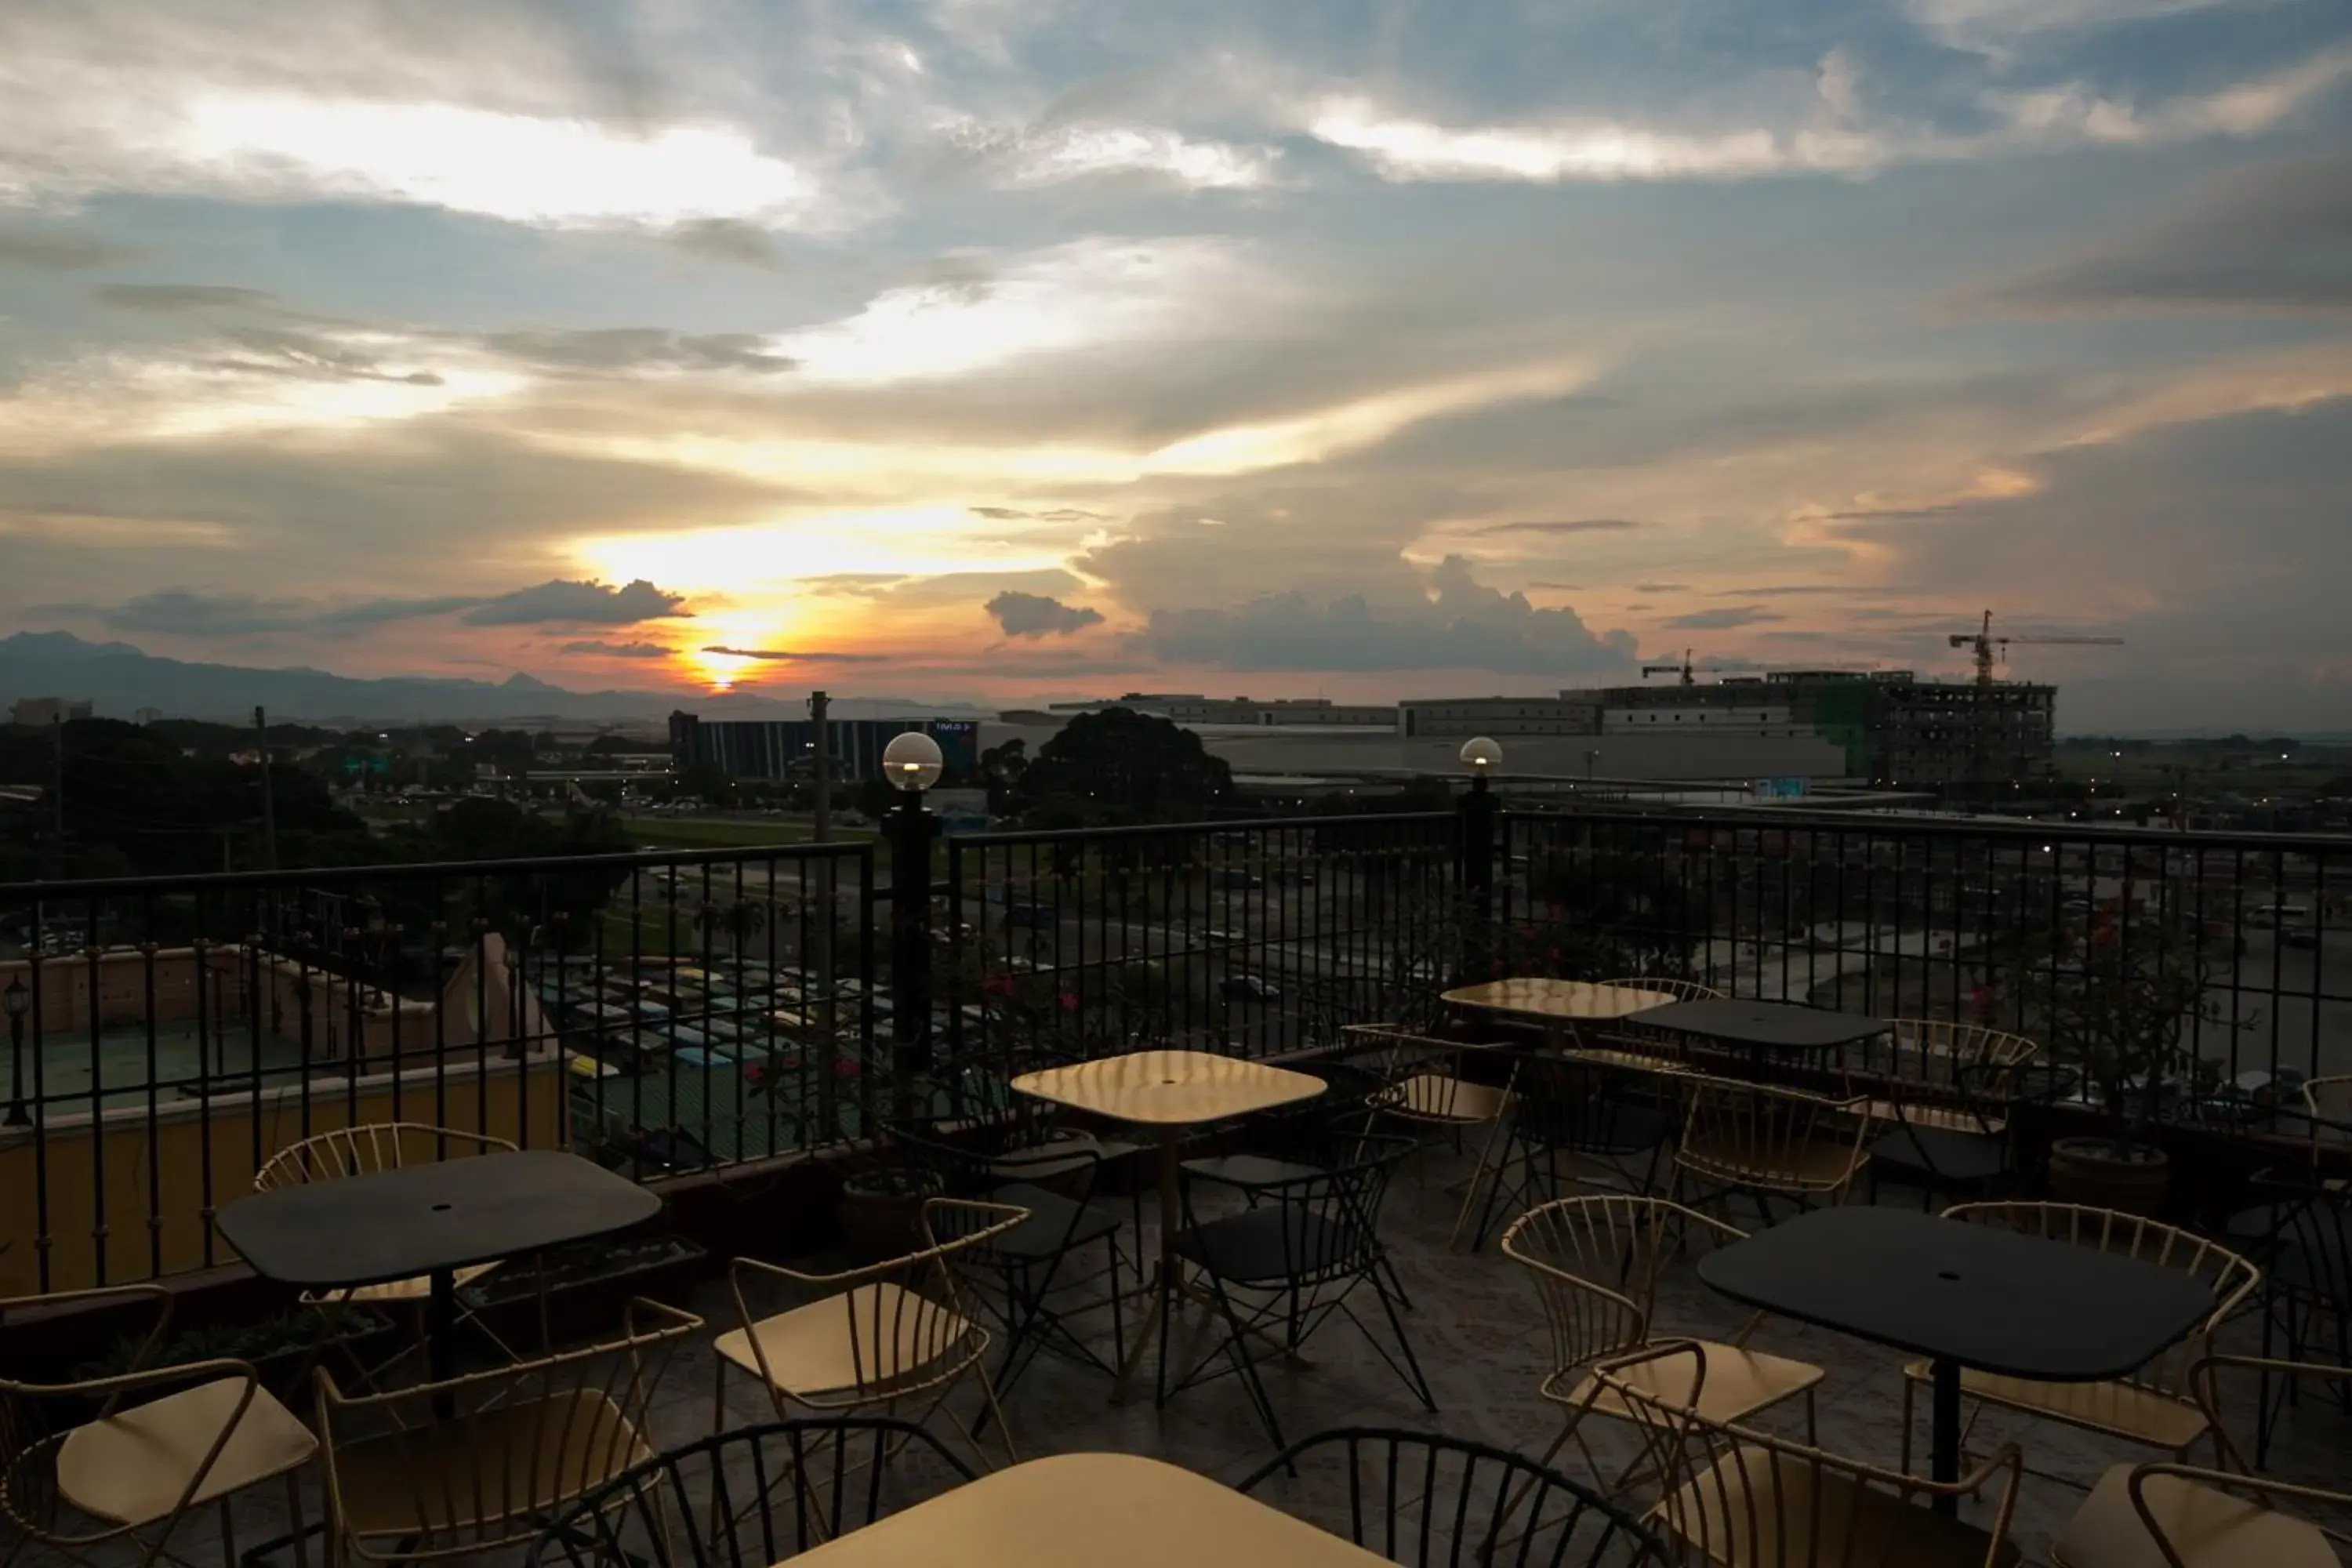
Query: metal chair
{"points": [[2165, 1514], [877, 1336], [1574, 1112], [1944, 1071], [1033, 1261], [370, 1148], [1737, 1495], [1958, 1145], [1424, 1087], [134, 1470], [1640, 1049], [2156, 1406], [1596, 1262], [751, 1497], [1429, 1501], [1769, 1143], [1286, 1264], [481, 1462]]}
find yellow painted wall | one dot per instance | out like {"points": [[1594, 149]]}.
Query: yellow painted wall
{"points": [[166, 1164]]}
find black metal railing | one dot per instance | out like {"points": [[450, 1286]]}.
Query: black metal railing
{"points": [[669, 1012]]}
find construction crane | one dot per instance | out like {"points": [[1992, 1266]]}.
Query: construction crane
{"points": [[1686, 669], [1985, 644]]}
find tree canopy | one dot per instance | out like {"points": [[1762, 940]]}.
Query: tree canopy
{"points": [[1118, 766]]}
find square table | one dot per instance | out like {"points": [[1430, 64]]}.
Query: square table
{"points": [[1082, 1511], [1963, 1295], [1167, 1091], [1762, 1029], [430, 1220]]}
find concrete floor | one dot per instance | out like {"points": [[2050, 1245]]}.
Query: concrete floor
{"points": [[1475, 1329]]}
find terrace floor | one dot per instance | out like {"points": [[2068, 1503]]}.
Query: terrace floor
{"points": [[1477, 1330]]}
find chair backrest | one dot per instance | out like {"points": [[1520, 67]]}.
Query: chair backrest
{"points": [[2328, 1103], [1429, 1501], [910, 1322], [1596, 1262], [1944, 1053], [2230, 1276], [1329, 1228], [1420, 1076], [751, 1497], [1565, 1103], [1772, 1138], [478, 1462], [1680, 990], [1737, 1494], [368, 1148]]}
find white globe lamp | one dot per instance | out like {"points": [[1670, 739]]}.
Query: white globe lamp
{"points": [[912, 761]]}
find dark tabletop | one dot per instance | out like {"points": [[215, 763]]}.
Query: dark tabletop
{"points": [[1771, 1026], [1978, 1295], [397, 1224]]}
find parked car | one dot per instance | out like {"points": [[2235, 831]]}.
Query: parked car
{"points": [[1249, 988]]}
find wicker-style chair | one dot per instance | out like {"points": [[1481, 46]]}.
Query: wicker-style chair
{"points": [[1737, 1495], [1596, 1262], [1942, 1071], [2157, 1405], [1422, 1085], [2165, 1514], [882, 1336], [1630, 1046], [1769, 1143], [113, 1487], [367, 1150], [478, 1463]]}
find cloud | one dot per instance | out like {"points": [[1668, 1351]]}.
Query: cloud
{"points": [[2271, 240], [1462, 625], [616, 650], [1038, 615], [1572, 525], [579, 603], [176, 299], [1054, 153], [726, 239], [1803, 590], [1661, 588], [40, 252], [1723, 619], [803, 656], [311, 356], [621, 349]]}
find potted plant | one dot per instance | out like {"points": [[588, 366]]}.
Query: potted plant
{"points": [[2131, 991], [281, 1350]]}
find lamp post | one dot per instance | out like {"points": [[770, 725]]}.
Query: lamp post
{"points": [[912, 763], [16, 1001], [1482, 756]]}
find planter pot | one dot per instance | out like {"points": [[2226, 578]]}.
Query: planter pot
{"points": [[882, 1214], [2130, 1178]]}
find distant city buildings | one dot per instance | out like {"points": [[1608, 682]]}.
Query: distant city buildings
{"points": [[1192, 708], [47, 711], [786, 748], [147, 716]]}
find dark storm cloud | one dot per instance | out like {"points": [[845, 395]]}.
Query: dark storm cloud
{"points": [[186, 612], [1038, 615], [798, 655], [1723, 619], [1463, 624], [61, 252], [177, 298], [726, 239], [615, 649], [2272, 240], [612, 350]]}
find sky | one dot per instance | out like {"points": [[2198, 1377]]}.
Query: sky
{"points": [[1003, 350]]}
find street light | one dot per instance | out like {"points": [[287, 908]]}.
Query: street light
{"points": [[912, 761], [1482, 756], [16, 1001]]}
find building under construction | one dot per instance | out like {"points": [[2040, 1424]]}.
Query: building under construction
{"points": [[1896, 731]]}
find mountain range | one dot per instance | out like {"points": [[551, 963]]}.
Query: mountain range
{"points": [[119, 680]]}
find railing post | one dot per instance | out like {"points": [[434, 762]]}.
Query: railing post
{"points": [[911, 831], [1477, 868]]}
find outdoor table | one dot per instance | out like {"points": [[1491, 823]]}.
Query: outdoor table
{"points": [[430, 1220], [1556, 1004], [1167, 1091], [1762, 1029], [1082, 1511], [1965, 1296]]}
